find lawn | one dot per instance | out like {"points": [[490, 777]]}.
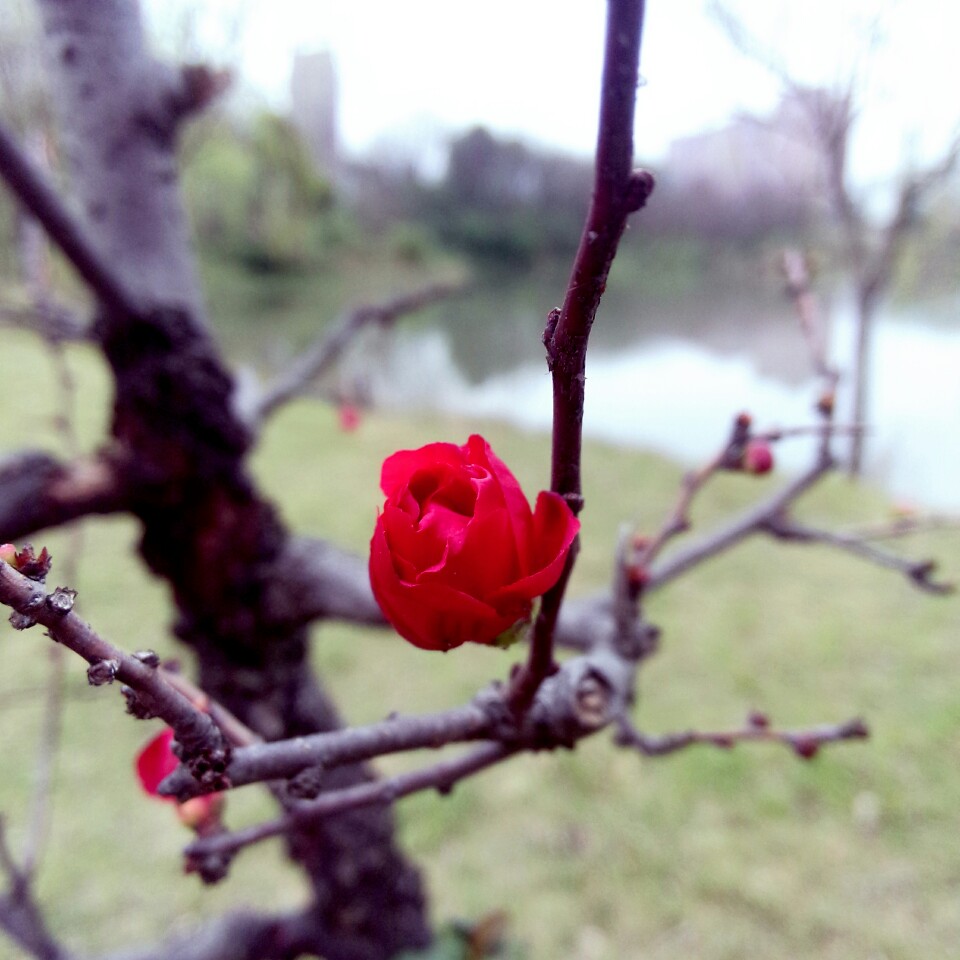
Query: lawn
{"points": [[595, 854]]}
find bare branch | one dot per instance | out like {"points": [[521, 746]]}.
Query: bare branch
{"points": [[314, 579], [249, 936], [32, 190], [55, 321], [286, 758], [326, 350], [37, 491], [618, 192], [151, 695], [750, 522], [20, 916], [919, 572], [441, 777], [805, 743]]}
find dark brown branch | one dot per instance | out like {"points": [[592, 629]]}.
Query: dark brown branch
{"points": [[750, 522], [919, 572], [805, 743], [53, 321], [579, 699], [618, 191], [441, 777], [37, 491], [322, 355], [20, 917], [36, 195], [195, 731], [250, 936], [286, 758], [314, 579]]}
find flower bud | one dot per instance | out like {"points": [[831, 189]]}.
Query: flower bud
{"points": [[348, 417], [201, 813], [757, 457], [457, 555]]}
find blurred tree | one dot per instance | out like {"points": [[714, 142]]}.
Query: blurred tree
{"points": [[870, 242], [254, 193]]}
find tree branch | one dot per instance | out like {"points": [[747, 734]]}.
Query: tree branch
{"points": [[919, 572], [286, 758], [326, 350], [805, 743], [20, 916], [250, 936], [618, 191], [36, 195], [441, 777], [37, 491], [201, 740]]}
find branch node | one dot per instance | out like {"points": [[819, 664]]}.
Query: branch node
{"points": [[61, 601], [639, 187], [21, 621], [137, 705], [148, 658], [101, 672]]}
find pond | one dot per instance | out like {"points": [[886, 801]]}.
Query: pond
{"points": [[674, 384]]}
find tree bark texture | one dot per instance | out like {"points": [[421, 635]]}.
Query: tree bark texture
{"points": [[179, 452]]}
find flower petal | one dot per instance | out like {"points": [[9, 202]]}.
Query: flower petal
{"points": [[554, 530], [156, 761]]}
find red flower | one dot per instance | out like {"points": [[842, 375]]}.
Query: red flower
{"points": [[457, 556], [156, 761]]}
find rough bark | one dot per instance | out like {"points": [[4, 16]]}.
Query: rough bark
{"points": [[180, 452]]}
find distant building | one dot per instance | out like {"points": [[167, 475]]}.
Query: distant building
{"points": [[753, 155], [764, 171], [314, 95]]}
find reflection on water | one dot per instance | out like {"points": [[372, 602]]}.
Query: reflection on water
{"points": [[678, 396]]}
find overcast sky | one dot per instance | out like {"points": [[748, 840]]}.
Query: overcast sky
{"points": [[410, 70]]}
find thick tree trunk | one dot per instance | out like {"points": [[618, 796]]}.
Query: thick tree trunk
{"points": [[180, 451]]}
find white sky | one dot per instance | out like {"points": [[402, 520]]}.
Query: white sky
{"points": [[410, 70]]}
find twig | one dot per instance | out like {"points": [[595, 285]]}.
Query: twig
{"points": [[618, 192], [904, 526], [38, 491], [750, 522], [286, 758], [35, 268], [20, 916], [324, 352], [238, 733], [805, 743], [32, 190], [441, 777], [150, 694], [918, 572]]}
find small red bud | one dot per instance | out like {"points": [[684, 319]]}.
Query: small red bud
{"points": [[758, 720], [638, 576], [349, 417], [826, 403], [806, 747], [757, 457], [723, 741], [8, 553], [743, 420], [202, 814]]}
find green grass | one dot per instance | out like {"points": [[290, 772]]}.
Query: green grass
{"points": [[596, 854]]}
